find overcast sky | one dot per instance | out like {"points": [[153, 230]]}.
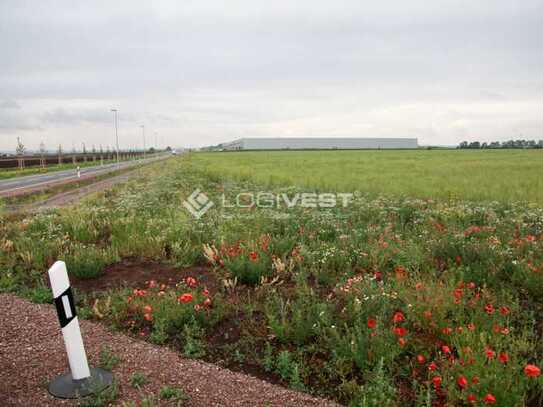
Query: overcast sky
{"points": [[202, 72]]}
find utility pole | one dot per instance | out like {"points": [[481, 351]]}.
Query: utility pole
{"points": [[116, 134]]}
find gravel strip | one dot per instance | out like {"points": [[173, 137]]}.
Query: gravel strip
{"points": [[32, 353]]}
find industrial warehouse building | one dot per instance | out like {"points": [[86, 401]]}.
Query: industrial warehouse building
{"points": [[317, 143]]}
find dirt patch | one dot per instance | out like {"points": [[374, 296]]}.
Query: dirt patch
{"points": [[137, 274]]}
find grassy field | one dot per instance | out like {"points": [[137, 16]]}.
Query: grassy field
{"points": [[484, 175], [389, 301]]}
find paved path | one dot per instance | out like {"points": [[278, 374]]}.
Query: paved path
{"points": [[32, 353], [19, 185]]}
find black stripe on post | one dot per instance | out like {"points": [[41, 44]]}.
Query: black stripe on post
{"points": [[65, 307]]}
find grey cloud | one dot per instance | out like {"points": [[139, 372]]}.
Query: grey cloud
{"points": [[205, 66]]}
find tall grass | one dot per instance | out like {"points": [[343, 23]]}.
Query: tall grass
{"points": [[485, 175]]}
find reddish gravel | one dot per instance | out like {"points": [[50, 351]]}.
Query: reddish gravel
{"points": [[32, 353]]}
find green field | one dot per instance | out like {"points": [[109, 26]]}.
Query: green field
{"points": [[504, 175], [389, 301]]}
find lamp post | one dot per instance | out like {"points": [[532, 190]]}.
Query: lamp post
{"points": [[143, 134], [116, 134]]}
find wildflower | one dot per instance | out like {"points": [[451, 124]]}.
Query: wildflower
{"points": [[503, 357], [152, 284], [401, 272], [398, 317], [489, 399], [197, 307], [402, 342], [458, 293], [490, 353], [445, 349], [432, 366], [400, 331], [489, 309], [471, 326], [207, 302], [161, 293], [184, 298], [504, 310], [147, 309], [462, 382], [147, 317], [253, 256], [191, 282], [427, 314], [205, 292], [436, 380], [378, 275], [458, 260], [447, 331], [472, 398], [471, 285], [372, 323], [420, 359], [475, 379], [532, 371], [139, 293]]}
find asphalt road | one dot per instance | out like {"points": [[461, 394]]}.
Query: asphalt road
{"points": [[19, 184]]}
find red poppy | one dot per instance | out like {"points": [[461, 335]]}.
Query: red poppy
{"points": [[191, 282], [184, 298], [503, 357], [205, 292], [458, 260], [489, 399], [504, 310], [207, 302], [421, 359], [432, 366], [372, 323], [427, 314], [152, 284], [462, 382], [471, 326], [475, 379], [398, 317], [400, 331], [472, 398], [489, 309], [147, 309], [436, 380], [532, 371], [402, 342], [458, 293], [490, 353], [253, 256], [148, 317], [445, 349], [471, 285], [447, 331], [378, 275]]}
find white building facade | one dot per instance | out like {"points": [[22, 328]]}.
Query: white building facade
{"points": [[317, 143]]}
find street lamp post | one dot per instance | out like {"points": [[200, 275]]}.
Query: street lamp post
{"points": [[143, 134], [116, 134]]}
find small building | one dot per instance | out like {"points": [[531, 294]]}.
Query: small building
{"points": [[320, 143]]}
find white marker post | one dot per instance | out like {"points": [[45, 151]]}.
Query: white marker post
{"points": [[81, 381]]}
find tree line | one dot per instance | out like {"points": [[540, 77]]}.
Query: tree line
{"points": [[505, 144]]}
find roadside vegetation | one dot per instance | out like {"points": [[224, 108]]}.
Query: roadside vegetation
{"points": [[394, 299]]}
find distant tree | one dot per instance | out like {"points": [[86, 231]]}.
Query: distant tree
{"points": [[20, 149], [93, 149], [484, 145], [474, 145], [43, 150]]}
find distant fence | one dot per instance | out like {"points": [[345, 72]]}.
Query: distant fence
{"points": [[55, 159]]}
